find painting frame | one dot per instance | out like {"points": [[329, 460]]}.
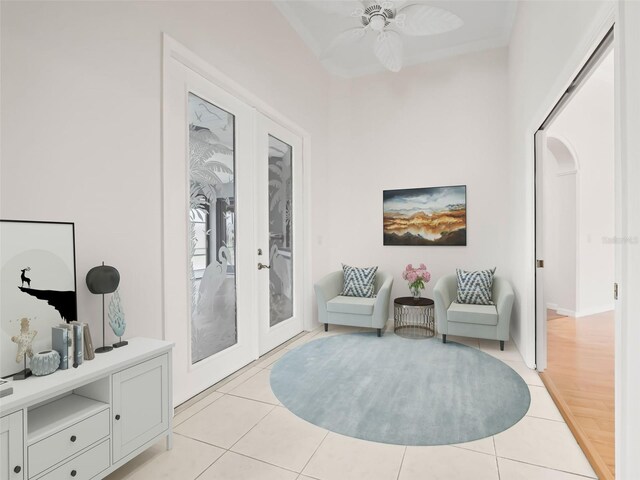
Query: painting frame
{"points": [[407, 216], [39, 257]]}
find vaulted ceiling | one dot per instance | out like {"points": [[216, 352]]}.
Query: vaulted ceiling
{"points": [[486, 24]]}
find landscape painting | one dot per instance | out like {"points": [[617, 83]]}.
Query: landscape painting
{"points": [[426, 216]]}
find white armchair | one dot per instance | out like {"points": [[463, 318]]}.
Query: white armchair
{"points": [[479, 321], [353, 311]]}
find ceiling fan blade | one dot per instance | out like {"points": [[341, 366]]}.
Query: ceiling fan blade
{"points": [[337, 7], [388, 49], [389, 4], [348, 37], [420, 19]]}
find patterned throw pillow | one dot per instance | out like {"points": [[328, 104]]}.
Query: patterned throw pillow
{"points": [[475, 287], [359, 282]]}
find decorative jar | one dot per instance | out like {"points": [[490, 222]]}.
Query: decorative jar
{"points": [[45, 363]]}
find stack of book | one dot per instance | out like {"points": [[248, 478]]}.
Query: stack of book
{"points": [[73, 342]]}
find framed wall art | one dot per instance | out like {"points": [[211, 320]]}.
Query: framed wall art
{"points": [[425, 216], [38, 282]]}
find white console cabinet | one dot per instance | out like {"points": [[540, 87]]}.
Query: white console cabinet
{"points": [[12, 445], [83, 423], [140, 405]]}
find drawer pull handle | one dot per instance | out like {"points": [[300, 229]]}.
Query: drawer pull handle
{"points": [[73, 473], [118, 417], [73, 438], [18, 469]]}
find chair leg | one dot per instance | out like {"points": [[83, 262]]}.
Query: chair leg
{"points": [[444, 338], [502, 345], [379, 332], [326, 327]]}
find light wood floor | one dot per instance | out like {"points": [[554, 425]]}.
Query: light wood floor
{"points": [[580, 378]]}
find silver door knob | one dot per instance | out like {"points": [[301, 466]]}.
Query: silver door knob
{"points": [[262, 265]]}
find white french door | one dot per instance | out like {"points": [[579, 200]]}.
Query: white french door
{"points": [[279, 233], [209, 210], [232, 200]]}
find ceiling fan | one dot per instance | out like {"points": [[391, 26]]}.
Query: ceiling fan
{"points": [[388, 19]]}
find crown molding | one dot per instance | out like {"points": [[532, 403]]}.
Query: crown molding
{"points": [[299, 27]]}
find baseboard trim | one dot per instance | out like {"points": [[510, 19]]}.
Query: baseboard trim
{"points": [[565, 311], [594, 311], [579, 313], [560, 310], [597, 463]]}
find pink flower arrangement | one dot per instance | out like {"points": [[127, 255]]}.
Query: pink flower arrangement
{"points": [[417, 277]]}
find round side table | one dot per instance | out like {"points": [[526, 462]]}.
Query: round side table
{"points": [[413, 318]]}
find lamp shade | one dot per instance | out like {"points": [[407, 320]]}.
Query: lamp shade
{"points": [[103, 279]]}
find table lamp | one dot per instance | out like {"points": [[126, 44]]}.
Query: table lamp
{"points": [[101, 280]]}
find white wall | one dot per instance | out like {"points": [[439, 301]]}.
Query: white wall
{"points": [[560, 230], [438, 124], [587, 123], [81, 122]]}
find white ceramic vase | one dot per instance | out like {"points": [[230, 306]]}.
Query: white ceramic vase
{"points": [[45, 363]]}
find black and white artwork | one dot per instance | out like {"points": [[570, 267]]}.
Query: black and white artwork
{"points": [[38, 282]]}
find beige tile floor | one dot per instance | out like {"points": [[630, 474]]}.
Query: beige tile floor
{"points": [[238, 430]]}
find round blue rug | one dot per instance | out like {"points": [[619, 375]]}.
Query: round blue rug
{"points": [[398, 390]]}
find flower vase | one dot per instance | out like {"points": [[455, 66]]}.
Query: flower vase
{"points": [[416, 292]]}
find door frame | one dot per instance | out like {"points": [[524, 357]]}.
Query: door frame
{"points": [[606, 19], [603, 45], [172, 50], [610, 20], [193, 378], [177, 51]]}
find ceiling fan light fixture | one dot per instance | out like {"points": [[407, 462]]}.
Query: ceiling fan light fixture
{"points": [[377, 22], [415, 19]]}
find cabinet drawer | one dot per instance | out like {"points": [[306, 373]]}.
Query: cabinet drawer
{"points": [[83, 467], [55, 448]]}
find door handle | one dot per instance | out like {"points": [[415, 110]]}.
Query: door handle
{"points": [[262, 265]]}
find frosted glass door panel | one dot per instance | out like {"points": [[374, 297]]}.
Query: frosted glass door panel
{"points": [[280, 231], [212, 228]]}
